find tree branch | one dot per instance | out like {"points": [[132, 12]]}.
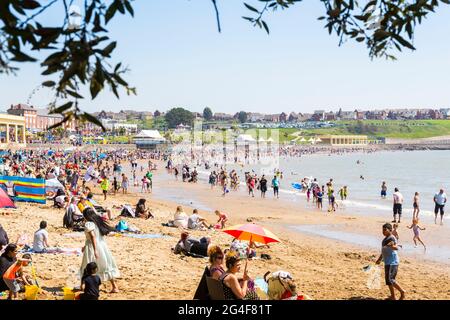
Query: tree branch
{"points": [[217, 14]]}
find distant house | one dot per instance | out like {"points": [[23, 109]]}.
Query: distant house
{"points": [[318, 115], [347, 115], [272, 118], [360, 115], [376, 115], [283, 117], [445, 113], [330, 116], [255, 117], [220, 116], [293, 117], [435, 114]]}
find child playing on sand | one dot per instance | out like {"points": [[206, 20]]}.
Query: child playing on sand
{"points": [[395, 233], [14, 274], [222, 218], [90, 283], [416, 229], [391, 260]]}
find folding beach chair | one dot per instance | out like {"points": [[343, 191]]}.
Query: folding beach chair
{"points": [[202, 290], [215, 289]]}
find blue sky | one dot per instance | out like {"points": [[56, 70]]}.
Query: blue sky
{"points": [[177, 58]]}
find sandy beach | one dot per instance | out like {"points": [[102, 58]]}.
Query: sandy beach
{"points": [[323, 268]]}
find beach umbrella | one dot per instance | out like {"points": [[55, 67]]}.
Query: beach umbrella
{"points": [[318, 140], [251, 232], [302, 139]]}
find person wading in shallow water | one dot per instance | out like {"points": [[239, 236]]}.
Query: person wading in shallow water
{"points": [[398, 202]]}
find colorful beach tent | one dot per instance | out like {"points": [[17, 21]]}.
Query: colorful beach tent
{"points": [[5, 200]]}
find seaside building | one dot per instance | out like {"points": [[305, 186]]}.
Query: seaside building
{"points": [[148, 139], [344, 140], [12, 131], [38, 119]]}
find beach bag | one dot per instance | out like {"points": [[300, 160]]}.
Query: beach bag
{"points": [[122, 226], [280, 284]]}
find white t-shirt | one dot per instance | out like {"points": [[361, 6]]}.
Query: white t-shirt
{"points": [[398, 198], [39, 240]]}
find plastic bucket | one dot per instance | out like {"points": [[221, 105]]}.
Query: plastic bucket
{"points": [[31, 292], [69, 294]]}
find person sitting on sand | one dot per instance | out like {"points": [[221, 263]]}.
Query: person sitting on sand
{"points": [[105, 213], [190, 245], [216, 259], [4, 240], [233, 287], [13, 275], [40, 241], [180, 219], [7, 259], [196, 222], [90, 283], [141, 211]]}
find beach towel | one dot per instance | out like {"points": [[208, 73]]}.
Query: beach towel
{"points": [[74, 235], [145, 236]]}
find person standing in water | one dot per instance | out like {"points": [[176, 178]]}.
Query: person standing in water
{"points": [[383, 190], [398, 202], [276, 186], [439, 199], [416, 206]]}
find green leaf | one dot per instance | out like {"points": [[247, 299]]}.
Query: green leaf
{"points": [[403, 42], [22, 57], [74, 94], [106, 52], [251, 8], [90, 118], [265, 26], [129, 8], [111, 11], [62, 108], [48, 83], [30, 4]]}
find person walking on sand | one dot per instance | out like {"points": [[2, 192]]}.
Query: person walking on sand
{"points": [[416, 206], [96, 250], [124, 184], [439, 202], [416, 229], [391, 260], [263, 186], [276, 186], [383, 190], [398, 202]]}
